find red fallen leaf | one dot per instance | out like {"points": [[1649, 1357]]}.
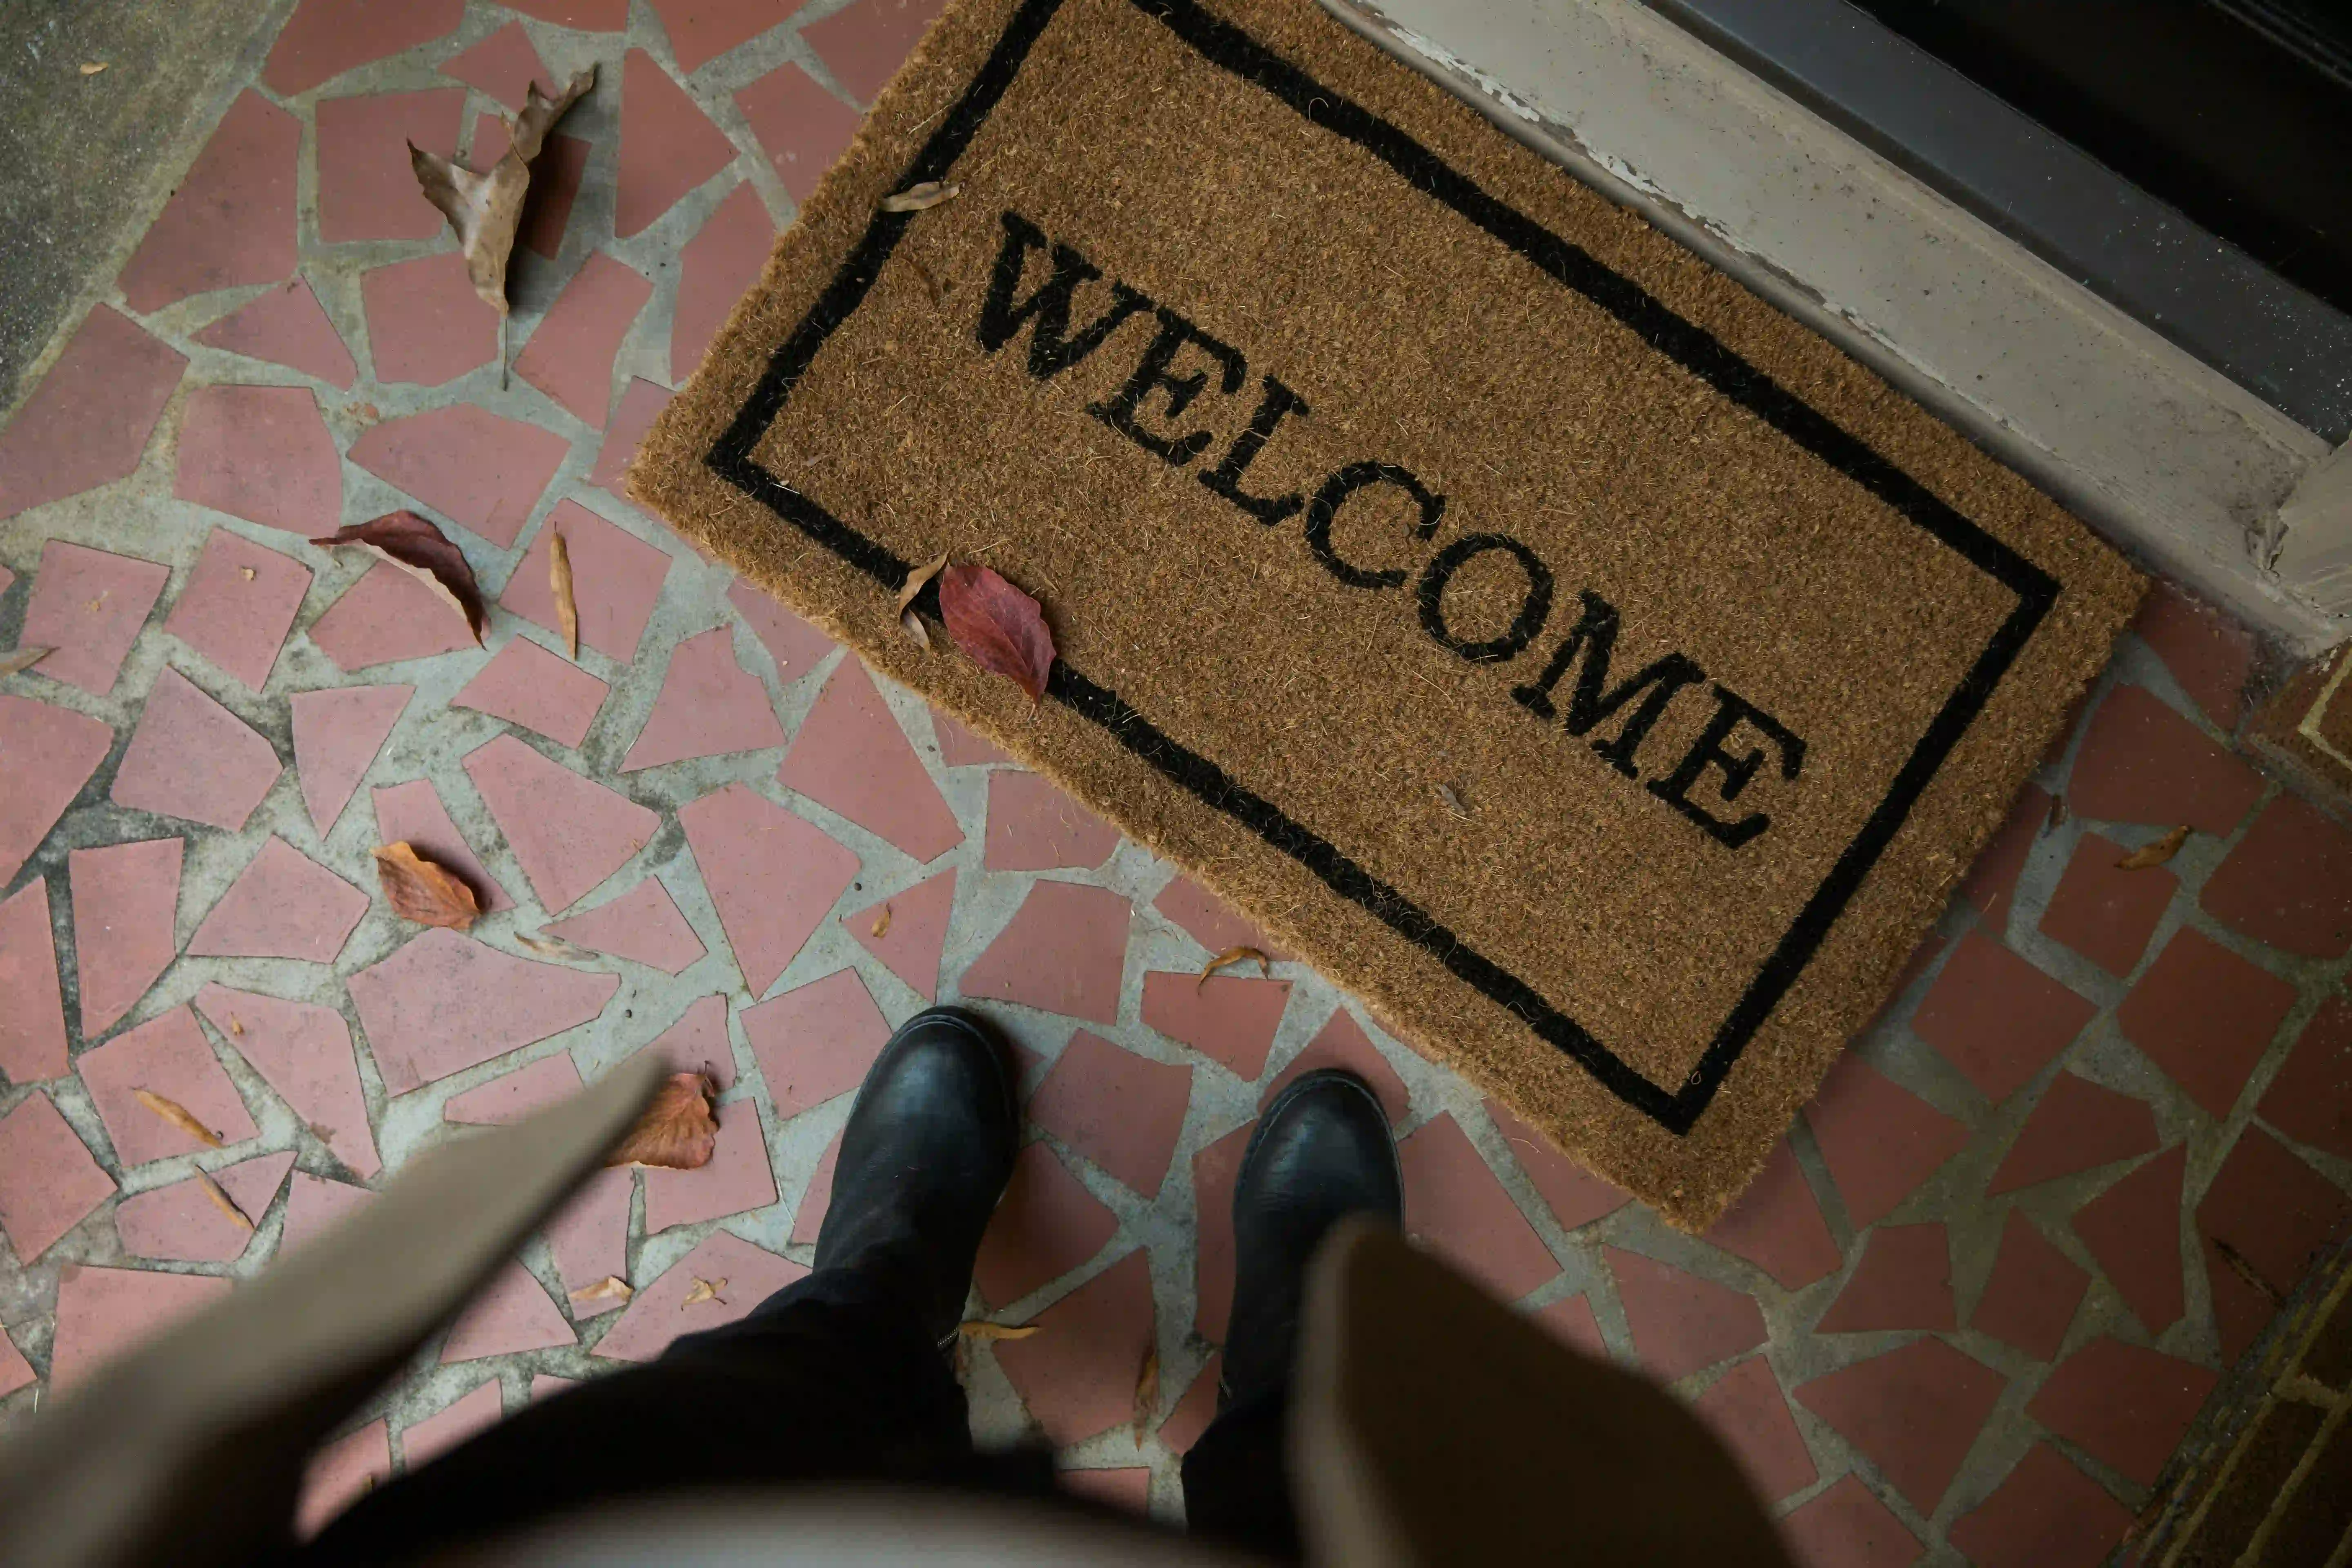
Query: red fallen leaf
{"points": [[424, 553], [677, 1132], [1002, 628]]}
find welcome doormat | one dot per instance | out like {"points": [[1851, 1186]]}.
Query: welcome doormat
{"points": [[1572, 657]]}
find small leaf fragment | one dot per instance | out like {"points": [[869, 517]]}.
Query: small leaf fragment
{"points": [[554, 947], [2057, 818], [221, 1201], [881, 926], [92, 69], [1146, 1390], [1453, 801], [676, 1130], [420, 890], [920, 197], [2156, 852], [981, 1329], [235, 1025], [913, 587], [179, 1116], [1000, 627], [426, 553], [246, 572], [912, 625], [705, 1290], [559, 579], [612, 1288], [1231, 956], [23, 659]]}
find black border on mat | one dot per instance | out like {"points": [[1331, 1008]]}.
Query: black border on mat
{"points": [[1692, 347]]}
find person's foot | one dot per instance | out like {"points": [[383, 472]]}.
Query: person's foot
{"points": [[925, 1157], [1322, 1151]]}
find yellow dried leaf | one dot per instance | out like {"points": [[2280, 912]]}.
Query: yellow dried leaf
{"points": [[222, 1202], [554, 947], [2154, 853], [881, 926], [1146, 1390], [921, 197], [23, 659], [981, 1329], [559, 579], [612, 1288], [676, 1130], [246, 572], [913, 585], [1231, 956], [705, 1290], [178, 1115], [235, 1025], [93, 67], [421, 891]]}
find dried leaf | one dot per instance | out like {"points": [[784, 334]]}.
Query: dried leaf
{"points": [[246, 572], [881, 926], [979, 1329], [1146, 1390], [235, 1025], [426, 553], [92, 68], [705, 1290], [23, 659], [554, 947], [1453, 801], [921, 197], [1002, 628], [913, 585], [912, 625], [677, 1132], [2057, 813], [221, 1200], [173, 1112], [612, 1288], [421, 891], [1231, 956], [2156, 852], [559, 579]]}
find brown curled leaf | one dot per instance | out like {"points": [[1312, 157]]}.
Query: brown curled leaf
{"points": [[559, 579], [179, 1116], [1146, 1390], [1000, 627], [1230, 957], [705, 1290], [426, 553], [981, 1329], [881, 926], [420, 890], [2156, 852], [612, 1288], [676, 1130], [2057, 818], [922, 196], [23, 659], [554, 947], [485, 210], [221, 1201]]}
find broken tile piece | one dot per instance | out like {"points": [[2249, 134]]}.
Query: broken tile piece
{"points": [[2047, 1514], [589, 1237], [801, 126], [193, 758], [286, 325], [1216, 1169], [773, 876], [530, 1088], [303, 1051], [102, 1313], [2205, 1015], [738, 1177], [1456, 1209], [1681, 1322], [125, 903], [437, 1434], [717, 265], [795, 645], [341, 1473], [1997, 1019], [1063, 952], [2105, 911], [851, 756], [642, 401], [503, 66], [2288, 882], [2209, 654], [1575, 1197], [1912, 1412], [252, 1184], [1121, 1110], [426, 324], [709, 706], [525, 684], [87, 609], [570, 353], [643, 925], [2076, 1125], [1034, 826], [1904, 1281], [668, 148], [2261, 1222], [445, 1001], [2309, 1099], [698, 1042], [1343, 1043], [2032, 1297], [568, 833], [1209, 921], [907, 930], [261, 453], [48, 1182], [1077, 1374], [1843, 1526], [166, 1055], [230, 221], [2141, 761], [15, 1371], [2126, 1406], [1746, 1408], [1128, 1489], [412, 814], [808, 1217], [180, 1223], [2133, 1229], [324, 38], [616, 578], [659, 1312], [47, 754], [702, 30], [588, 15], [1879, 1140], [1046, 1225], [815, 1041], [89, 419], [32, 1007], [282, 905], [1224, 1018], [1991, 881], [337, 733], [475, 467], [1777, 1224], [960, 745], [367, 187], [862, 44], [387, 616], [238, 605], [511, 1312], [314, 1207]]}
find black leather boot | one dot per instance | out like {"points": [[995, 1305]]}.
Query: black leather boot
{"points": [[1322, 1151], [924, 1160]]}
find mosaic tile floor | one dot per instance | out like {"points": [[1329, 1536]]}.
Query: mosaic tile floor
{"points": [[1966, 1312]]}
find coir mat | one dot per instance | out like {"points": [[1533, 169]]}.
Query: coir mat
{"points": [[1582, 663]]}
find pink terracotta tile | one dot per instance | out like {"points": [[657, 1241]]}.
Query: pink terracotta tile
{"points": [[48, 1182], [2273, 1213], [1746, 1408], [709, 706], [641, 404], [1997, 1019], [1046, 1226], [1680, 1322], [509, 1313], [445, 1001], [912, 928], [863, 45], [1455, 1208], [1128, 1490], [503, 66], [1923, 958], [815, 1041], [511, 1097], [569, 833], [337, 734], [1193, 1414], [2205, 1015], [32, 1007], [698, 1042], [420, 1441], [1904, 1281], [282, 905], [1914, 1412], [2031, 1299], [738, 1177], [1343, 1043], [743, 1275], [426, 324], [15, 1371], [616, 578], [589, 1237], [2141, 761], [87, 607], [668, 148], [1571, 1320], [341, 1473], [2208, 653], [47, 754], [643, 925], [1992, 883], [1843, 1526], [525, 684], [588, 15], [193, 758], [792, 642], [543, 1383], [1777, 1224], [230, 221], [2288, 882], [2133, 1229], [702, 30], [475, 467], [386, 617], [1879, 1140], [808, 1218], [802, 127], [2103, 912], [125, 900], [324, 38], [2077, 1125], [102, 1313], [252, 1184], [303, 1051], [1209, 921], [412, 814], [1077, 1374], [1063, 951], [960, 745], [1120, 1110], [851, 756], [238, 605], [571, 352], [367, 188], [718, 264], [1216, 1169], [88, 421], [2310, 1100], [774, 876], [2047, 1514], [1227, 1018], [314, 1207], [1034, 826], [179, 1223], [288, 326], [261, 453], [2125, 1407], [166, 1055]]}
